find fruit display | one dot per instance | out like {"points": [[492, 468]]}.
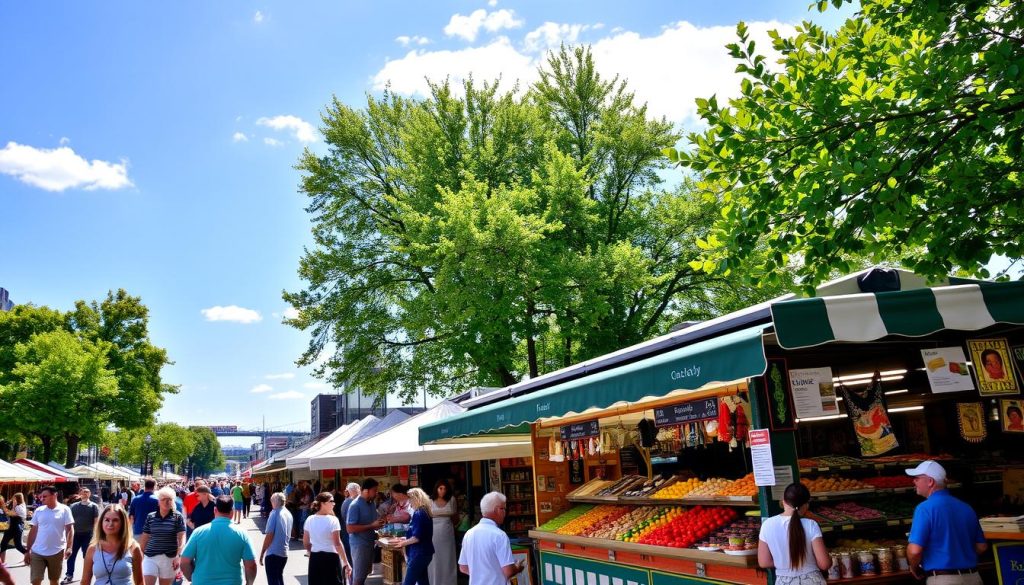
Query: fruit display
{"points": [[688, 528], [645, 489], [622, 485], [637, 518], [678, 489], [890, 482], [563, 519], [709, 488], [830, 461], [822, 485], [741, 487], [847, 512], [653, 522], [590, 488], [597, 515], [896, 508]]}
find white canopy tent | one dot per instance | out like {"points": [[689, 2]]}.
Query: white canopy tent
{"points": [[96, 473], [19, 473], [399, 445], [333, 441]]}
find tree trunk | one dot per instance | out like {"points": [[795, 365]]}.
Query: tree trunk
{"points": [[72, 455], [47, 442], [567, 358], [531, 355]]}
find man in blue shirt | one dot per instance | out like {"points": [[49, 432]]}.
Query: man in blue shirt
{"points": [[362, 524], [141, 506], [275, 541], [945, 537], [213, 554]]}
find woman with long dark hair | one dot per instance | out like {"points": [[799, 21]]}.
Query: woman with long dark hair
{"points": [[17, 514], [445, 516], [113, 558], [793, 545], [321, 536]]}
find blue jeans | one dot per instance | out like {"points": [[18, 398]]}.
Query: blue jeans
{"points": [[275, 569], [416, 568], [80, 543]]}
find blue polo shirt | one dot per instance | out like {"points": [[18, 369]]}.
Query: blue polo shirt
{"points": [[141, 507], [947, 529], [359, 513], [280, 523], [217, 550]]}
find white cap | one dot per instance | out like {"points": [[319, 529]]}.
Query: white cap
{"points": [[930, 468]]}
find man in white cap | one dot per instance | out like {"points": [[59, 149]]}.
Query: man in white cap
{"points": [[945, 537]]}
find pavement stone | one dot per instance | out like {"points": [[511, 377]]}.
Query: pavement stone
{"points": [[295, 572]]}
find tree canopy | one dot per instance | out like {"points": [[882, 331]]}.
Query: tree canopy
{"points": [[476, 237], [95, 344], [897, 137], [169, 442]]}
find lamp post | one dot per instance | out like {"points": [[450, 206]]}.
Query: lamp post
{"points": [[146, 466]]}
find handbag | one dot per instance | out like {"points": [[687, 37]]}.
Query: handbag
{"points": [[5, 521]]}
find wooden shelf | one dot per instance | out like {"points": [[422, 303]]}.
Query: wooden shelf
{"points": [[1004, 535], [706, 501], [517, 481], [686, 554]]}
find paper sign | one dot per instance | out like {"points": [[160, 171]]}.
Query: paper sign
{"points": [[761, 457], [947, 369], [783, 477], [813, 392]]}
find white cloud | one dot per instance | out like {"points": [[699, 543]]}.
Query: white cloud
{"points": [[291, 313], [406, 40], [284, 376], [239, 137], [261, 388], [409, 74], [61, 168], [272, 142], [302, 130], [232, 313], [552, 34], [316, 386], [468, 27], [699, 65], [258, 17], [492, 3], [289, 395]]}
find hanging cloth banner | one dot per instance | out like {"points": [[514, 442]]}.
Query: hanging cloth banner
{"points": [[870, 420], [970, 417]]}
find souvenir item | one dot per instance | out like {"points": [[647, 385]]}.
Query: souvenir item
{"points": [[870, 420], [970, 417], [733, 420], [993, 366]]}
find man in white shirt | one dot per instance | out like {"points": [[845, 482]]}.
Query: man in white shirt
{"points": [[49, 541], [486, 551]]}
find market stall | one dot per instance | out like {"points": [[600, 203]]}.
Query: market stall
{"points": [[657, 469]]}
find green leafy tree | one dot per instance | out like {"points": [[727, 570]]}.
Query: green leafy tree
{"points": [[896, 138], [169, 442], [17, 326], [477, 238], [207, 456], [122, 321], [63, 389]]}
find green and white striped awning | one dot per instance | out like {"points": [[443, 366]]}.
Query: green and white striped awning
{"points": [[911, 313]]}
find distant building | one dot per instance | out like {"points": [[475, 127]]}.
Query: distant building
{"points": [[327, 412], [5, 300]]}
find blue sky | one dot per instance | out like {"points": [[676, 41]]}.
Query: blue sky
{"points": [[150, 146]]}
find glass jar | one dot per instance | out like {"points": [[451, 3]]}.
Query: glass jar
{"points": [[899, 553], [866, 562], [846, 566], [886, 562], [835, 571]]}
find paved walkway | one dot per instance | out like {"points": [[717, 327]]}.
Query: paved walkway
{"points": [[294, 573]]}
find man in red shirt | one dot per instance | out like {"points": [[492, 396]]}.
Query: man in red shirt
{"points": [[191, 499]]}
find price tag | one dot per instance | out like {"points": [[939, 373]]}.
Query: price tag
{"points": [[893, 523], [848, 527], [879, 466], [826, 529], [845, 467], [823, 469]]}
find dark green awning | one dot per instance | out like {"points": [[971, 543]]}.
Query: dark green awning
{"points": [[733, 356], [912, 313]]}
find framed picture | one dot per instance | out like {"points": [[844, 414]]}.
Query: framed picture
{"points": [[993, 366], [1011, 412], [779, 398], [970, 417], [542, 483], [551, 483], [545, 507]]}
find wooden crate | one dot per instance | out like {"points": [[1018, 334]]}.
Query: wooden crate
{"points": [[393, 566]]}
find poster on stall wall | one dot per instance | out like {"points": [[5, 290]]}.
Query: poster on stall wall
{"points": [[993, 366], [947, 369], [870, 419], [761, 457], [813, 392]]}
